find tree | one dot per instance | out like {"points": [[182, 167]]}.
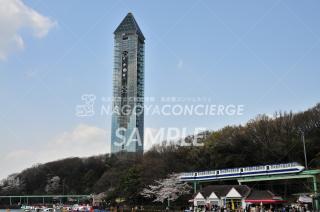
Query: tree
{"points": [[53, 185], [169, 189], [131, 182]]}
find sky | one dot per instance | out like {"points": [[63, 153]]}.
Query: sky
{"points": [[263, 55]]}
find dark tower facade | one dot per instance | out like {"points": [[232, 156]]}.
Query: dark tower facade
{"points": [[128, 88]]}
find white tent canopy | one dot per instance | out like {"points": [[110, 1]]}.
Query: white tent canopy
{"points": [[233, 193], [199, 200], [305, 199]]}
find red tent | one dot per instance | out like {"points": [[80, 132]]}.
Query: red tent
{"points": [[264, 197], [265, 201]]}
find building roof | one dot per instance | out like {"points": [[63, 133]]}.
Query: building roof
{"points": [[263, 196], [260, 194], [129, 24], [199, 196], [223, 190]]}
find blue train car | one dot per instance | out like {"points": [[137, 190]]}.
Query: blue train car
{"points": [[271, 169]]}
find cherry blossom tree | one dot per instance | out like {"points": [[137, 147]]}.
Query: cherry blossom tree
{"points": [[53, 185], [169, 189]]}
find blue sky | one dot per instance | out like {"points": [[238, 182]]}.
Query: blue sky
{"points": [[260, 54]]}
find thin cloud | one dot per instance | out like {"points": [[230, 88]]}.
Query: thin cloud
{"points": [[82, 141], [14, 16], [180, 64]]}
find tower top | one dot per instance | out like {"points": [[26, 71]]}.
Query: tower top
{"points": [[129, 24]]}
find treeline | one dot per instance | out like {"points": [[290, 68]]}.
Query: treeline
{"points": [[262, 140]]}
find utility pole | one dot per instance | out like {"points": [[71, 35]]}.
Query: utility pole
{"points": [[304, 150]]}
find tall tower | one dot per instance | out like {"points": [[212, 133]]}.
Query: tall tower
{"points": [[128, 88]]}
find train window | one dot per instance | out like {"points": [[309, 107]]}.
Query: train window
{"points": [[218, 172], [241, 170], [195, 174]]}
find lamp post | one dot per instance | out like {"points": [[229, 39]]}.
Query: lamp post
{"points": [[304, 149]]}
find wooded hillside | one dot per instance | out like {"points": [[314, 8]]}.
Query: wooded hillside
{"points": [[262, 140]]}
